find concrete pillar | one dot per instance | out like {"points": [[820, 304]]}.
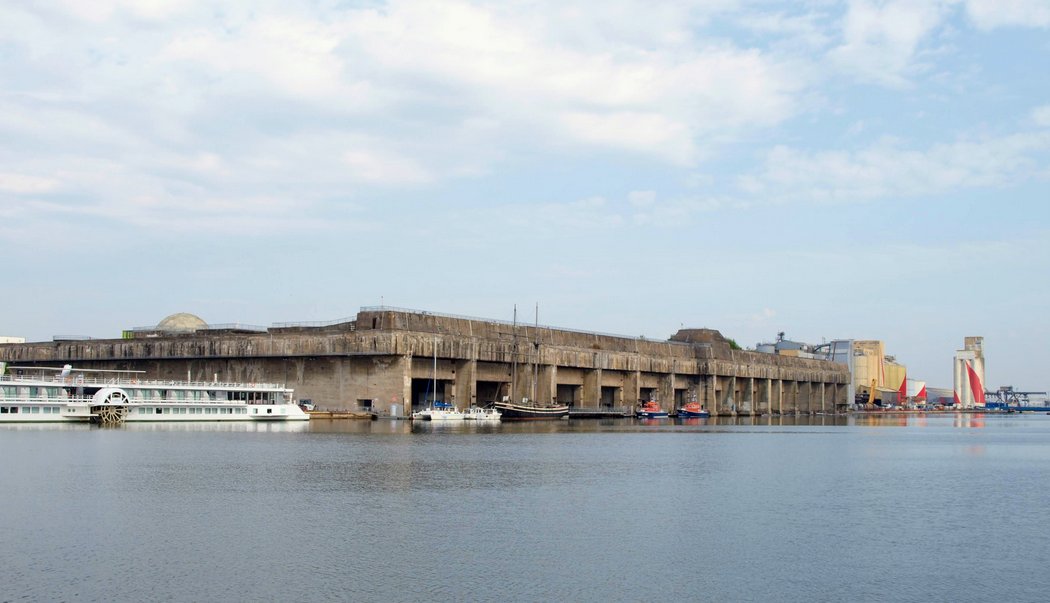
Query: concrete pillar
{"points": [[545, 388], [552, 383], [406, 384], [665, 392], [707, 397], [768, 397], [632, 388], [591, 395], [465, 384], [779, 403], [716, 396], [732, 399], [749, 391]]}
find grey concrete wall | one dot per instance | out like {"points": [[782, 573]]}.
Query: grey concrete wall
{"points": [[340, 366]]}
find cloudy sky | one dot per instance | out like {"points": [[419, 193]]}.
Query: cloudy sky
{"points": [[865, 169]]}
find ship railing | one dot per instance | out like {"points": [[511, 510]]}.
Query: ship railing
{"points": [[77, 381], [315, 323], [159, 401], [224, 326]]}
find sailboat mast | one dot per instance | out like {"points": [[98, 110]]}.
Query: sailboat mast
{"points": [[434, 374]]}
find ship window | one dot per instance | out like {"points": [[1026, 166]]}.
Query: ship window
{"points": [[158, 410], [35, 410], [3, 410], [14, 410]]}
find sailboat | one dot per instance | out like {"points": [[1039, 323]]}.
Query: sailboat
{"points": [[529, 408], [438, 410]]}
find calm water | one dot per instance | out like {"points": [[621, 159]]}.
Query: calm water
{"points": [[945, 508]]}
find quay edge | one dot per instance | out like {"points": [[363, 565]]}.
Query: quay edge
{"points": [[388, 361]]}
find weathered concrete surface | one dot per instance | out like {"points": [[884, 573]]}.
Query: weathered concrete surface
{"points": [[385, 360]]}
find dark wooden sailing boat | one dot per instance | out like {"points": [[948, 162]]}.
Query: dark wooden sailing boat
{"points": [[529, 408]]}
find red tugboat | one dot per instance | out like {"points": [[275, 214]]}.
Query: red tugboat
{"points": [[693, 410], [651, 410]]}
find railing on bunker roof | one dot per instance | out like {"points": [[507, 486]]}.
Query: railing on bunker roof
{"points": [[526, 325]]}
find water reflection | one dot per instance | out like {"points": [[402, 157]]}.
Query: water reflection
{"points": [[592, 509], [959, 420], [628, 424], [204, 426], [391, 426]]}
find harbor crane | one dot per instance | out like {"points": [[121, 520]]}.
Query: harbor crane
{"points": [[1007, 397]]}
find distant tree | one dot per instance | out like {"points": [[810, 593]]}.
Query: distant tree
{"points": [[733, 345]]}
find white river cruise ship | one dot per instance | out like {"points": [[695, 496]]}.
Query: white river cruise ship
{"points": [[38, 395]]}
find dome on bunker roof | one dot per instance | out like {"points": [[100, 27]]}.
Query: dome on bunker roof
{"points": [[182, 322]]}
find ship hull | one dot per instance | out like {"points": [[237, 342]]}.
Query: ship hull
{"points": [[524, 412]]}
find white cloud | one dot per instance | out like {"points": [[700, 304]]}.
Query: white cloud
{"points": [[295, 56], [1041, 116], [653, 91], [23, 184], [807, 31], [881, 40], [376, 167], [990, 14], [889, 169], [100, 11], [642, 132], [641, 198], [229, 106]]}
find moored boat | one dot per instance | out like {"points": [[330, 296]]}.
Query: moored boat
{"points": [[44, 394], [693, 410], [475, 413], [439, 411], [529, 410], [651, 410]]}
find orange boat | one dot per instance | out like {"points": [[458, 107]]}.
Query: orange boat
{"points": [[651, 410], [693, 409]]}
